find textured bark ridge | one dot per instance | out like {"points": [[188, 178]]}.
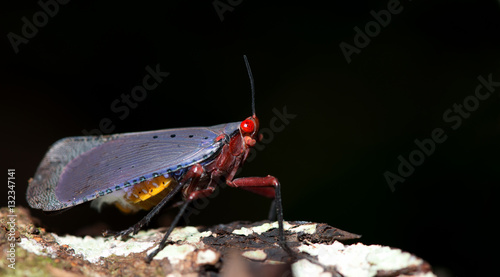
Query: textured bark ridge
{"points": [[235, 249]]}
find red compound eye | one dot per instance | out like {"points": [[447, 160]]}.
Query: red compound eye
{"points": [[247, 126]]}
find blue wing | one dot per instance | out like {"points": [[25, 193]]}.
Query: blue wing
{"points": [[80, 169]]}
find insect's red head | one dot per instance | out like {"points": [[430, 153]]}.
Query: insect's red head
{"points": [[249, 130]]}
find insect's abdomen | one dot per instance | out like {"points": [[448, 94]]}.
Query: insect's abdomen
{"points": [[149, 193], [140, 196]]}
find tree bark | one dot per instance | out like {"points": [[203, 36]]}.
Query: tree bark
{"points": [[235, 249]]}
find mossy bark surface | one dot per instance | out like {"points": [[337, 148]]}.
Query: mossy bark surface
{"points": [[235, 249]]}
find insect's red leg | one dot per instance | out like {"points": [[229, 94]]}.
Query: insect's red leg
{"points": [[268, 192], [265, 186], [200, 193], [269, 182], [193, 174]]}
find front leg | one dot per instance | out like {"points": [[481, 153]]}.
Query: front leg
{"points": [[264, 186]]}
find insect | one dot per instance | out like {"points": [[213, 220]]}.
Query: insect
{"points": [[144, 170]]}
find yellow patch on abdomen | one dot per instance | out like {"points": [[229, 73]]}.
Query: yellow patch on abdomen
{"points": [[145, 195]]}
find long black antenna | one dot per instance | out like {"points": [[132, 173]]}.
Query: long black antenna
{"points": [[251, 83]]}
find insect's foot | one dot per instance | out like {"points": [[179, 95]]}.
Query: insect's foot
{"points": [[150, 257], [136, 228], [288, 250], [295, 256], [108, 233], [123, 234], [157, 250]]}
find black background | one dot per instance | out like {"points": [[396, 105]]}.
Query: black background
{"points": [[352, 120]]}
